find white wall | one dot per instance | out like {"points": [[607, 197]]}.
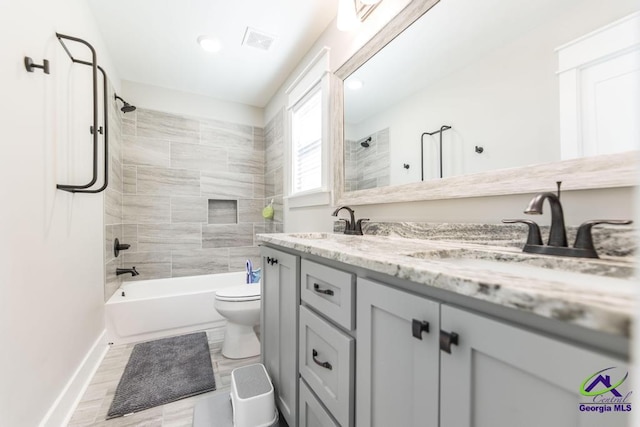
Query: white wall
{"points": [[579, 205], [51, 263], [188, 104]]}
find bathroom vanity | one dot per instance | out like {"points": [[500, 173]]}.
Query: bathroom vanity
{"points": [[382, 330]]}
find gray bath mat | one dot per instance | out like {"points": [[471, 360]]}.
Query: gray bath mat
{"points": [[164, 371]]}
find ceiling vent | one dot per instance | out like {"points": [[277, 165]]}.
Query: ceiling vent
{"points": [[257, 39]]}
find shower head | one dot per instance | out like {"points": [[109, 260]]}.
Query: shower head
{"points": [[366, 142], [126, 108]]}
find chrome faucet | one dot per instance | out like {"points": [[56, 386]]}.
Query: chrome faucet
{"points": [[351, 226], [131, 271], [557, 244]]}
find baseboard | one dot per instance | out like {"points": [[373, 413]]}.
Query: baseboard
{"points": [[62, 409]]}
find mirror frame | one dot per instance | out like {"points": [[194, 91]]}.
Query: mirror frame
{"points": [[603, 171]]}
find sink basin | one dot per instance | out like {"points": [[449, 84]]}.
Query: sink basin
{"points": [[313, 236], [518, 263], [539, 273]]}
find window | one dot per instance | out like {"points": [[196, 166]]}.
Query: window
{"points": [[306, 142], [308, 150]]}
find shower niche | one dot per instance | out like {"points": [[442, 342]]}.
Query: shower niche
{"points": [[222, 211]]}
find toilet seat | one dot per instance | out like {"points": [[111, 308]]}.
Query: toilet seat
{"points": [[249, 292]]}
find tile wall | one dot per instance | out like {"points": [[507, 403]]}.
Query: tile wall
{"points": [[367, 167], [274, 167], [193, 193], [113, 198]]}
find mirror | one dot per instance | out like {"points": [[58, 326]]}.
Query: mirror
{"points": [[472, 92]]}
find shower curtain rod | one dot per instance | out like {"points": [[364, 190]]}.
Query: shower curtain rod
{"points": [[93, 129], [442, 129]]}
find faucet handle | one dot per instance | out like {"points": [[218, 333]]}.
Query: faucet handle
{"points": [[359, 225], [584, 238], [534, 237], [347, 224]]}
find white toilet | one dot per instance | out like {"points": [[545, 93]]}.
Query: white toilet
{"points": [[240, 305]]}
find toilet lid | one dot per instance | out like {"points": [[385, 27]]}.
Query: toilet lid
{"points": [[248, 292]]}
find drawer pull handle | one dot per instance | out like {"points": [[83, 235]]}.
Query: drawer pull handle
{"points": [[272, 261], [417, 327], [446, 340], [316, 288], [325, 365]]}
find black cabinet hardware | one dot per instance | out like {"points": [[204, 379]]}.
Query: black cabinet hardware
{"points": [[316, 288], [325, 365], [419, 326], [272, 261], [446, 340]]}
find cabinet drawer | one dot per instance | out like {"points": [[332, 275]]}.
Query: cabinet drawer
{"points": [[311, 412], [330, 291], [326, 364]]}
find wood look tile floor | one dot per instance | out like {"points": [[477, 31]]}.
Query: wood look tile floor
{"points": [[92, 408]]}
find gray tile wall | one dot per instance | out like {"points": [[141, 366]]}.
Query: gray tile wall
{"points": [[368, 167], [274, 167], [172, 167], [113, 197]]}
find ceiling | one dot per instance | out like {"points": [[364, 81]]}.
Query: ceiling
{"points": [[155, 42]]}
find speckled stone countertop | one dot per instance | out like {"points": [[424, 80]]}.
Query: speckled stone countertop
{"points": [[597, 294]]}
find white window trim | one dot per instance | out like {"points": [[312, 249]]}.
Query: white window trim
{"points": [[314, 74]]}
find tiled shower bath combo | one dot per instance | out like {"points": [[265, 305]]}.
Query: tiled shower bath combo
{"points": [[192, 194]]}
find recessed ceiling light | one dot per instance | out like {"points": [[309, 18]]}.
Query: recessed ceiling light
{"points": [[209, 43], [354, 84]]}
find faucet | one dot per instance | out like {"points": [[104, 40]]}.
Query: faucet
{"points": [[558, 232], [351, 226], [131, 270], [557, 244]]}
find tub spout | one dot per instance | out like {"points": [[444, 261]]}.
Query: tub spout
{"points": [[131, 271]]}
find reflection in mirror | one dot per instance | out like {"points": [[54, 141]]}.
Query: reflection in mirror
{"points": [[520, 83]]}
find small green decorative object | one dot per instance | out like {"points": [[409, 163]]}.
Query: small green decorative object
{"points": [[267, 212]]}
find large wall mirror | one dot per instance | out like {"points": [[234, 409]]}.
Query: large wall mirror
{"points": [[492, 97]]}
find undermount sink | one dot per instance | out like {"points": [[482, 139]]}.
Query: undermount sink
{"points": [[312, 236], [535, 266]]}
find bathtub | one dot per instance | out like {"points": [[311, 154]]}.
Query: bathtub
{"points": [[152, 309]]}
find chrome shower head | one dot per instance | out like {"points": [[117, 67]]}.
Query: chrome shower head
{"points": [[126, 108]]}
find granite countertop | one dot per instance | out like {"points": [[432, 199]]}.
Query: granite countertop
{"points": [[597, 294]]}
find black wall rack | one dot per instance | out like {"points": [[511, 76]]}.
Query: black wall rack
{"points": [[439, 131], [94, 129]]}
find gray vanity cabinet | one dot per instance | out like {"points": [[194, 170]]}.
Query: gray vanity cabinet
{"points": [[500, 375], [396, 372], [279, 327]]}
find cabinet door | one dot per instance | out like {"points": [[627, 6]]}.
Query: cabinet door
{"points": [[279, 327], [501, 375], [396, 373]]}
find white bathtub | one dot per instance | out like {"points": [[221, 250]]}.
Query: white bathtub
{"points": [[152, 309]]}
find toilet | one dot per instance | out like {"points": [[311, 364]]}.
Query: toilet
{"points": [[240, 305]]}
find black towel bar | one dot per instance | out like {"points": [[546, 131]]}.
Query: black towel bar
{"points": [[442, 129], [94, 128]]}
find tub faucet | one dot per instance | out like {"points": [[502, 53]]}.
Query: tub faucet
{"points": [[131, 270], [351, 226]]}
